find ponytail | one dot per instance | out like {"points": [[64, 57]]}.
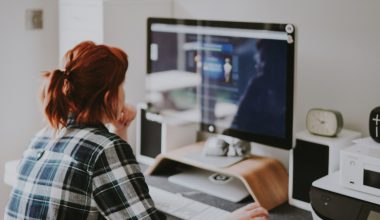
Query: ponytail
{"points": [[55, 98]]}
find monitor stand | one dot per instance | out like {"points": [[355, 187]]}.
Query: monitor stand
{"points": [[216, 184], [254, 172], [214, 154]]}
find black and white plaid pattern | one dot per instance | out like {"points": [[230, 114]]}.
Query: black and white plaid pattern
{"points": [[80, 172]]}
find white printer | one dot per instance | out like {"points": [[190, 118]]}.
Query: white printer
{"points": [[360, 166], [330, 200]]}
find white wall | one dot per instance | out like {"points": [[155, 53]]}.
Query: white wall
{"points": [[23, 55], [337, 50]]}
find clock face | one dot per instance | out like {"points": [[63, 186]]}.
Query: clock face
{"points": [[323, 122]]}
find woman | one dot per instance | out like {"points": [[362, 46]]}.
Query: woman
{"points": [[75, 168]]}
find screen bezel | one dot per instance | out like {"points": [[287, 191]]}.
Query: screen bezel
{"points": [[285, 142]]}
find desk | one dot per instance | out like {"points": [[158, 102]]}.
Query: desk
{"points": [[282, 212]]}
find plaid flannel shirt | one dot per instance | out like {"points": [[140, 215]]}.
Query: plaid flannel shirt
{"points": [[80, 172]]}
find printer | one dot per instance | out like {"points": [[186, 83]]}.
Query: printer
{"points": [[360, 166], [330, 200]]}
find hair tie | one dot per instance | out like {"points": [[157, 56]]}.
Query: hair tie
{"points": [[66, 74]]}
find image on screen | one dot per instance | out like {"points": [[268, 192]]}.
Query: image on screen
{"points": [[224, 77]]}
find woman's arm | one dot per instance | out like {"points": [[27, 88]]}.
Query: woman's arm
{"points": [[119, 187], [121, 125]]}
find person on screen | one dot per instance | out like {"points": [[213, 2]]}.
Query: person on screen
{"points": [[262, 105], [198, 63], [227, 67], [75, 168]]}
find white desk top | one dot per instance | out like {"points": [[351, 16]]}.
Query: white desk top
{"points": [[10, 174], [331, 183]]}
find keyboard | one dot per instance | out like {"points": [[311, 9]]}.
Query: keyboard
{"points": [[184, 208]]}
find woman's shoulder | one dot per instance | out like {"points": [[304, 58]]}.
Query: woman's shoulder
{"points": [[93, 138], [103, 141], [105, 138], [84, 145], [114, 151]]}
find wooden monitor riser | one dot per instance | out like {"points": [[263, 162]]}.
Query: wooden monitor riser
{"points": [[265, 178]]}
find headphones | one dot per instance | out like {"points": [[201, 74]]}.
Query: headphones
{"points": [[217, 146]]}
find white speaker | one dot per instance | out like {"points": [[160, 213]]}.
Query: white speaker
{"points": [[157, 135], [312, 158]]}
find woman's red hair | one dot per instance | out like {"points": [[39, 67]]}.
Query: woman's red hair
{"points": [[88, 87]]}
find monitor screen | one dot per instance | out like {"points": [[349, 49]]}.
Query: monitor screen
{"points": [[234, 78]]}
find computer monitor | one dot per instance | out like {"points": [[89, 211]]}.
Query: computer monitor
{"points": [[234, 78]]}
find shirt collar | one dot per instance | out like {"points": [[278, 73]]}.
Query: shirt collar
{"points": [[71, 123]]}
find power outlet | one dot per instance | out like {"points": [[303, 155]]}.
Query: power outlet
{"points": [[34, 19]]}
